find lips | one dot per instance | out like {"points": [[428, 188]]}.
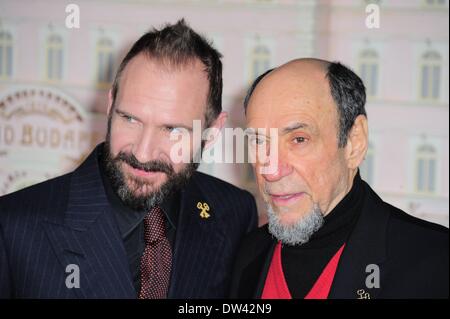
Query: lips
{"points": [[285, 199], [142, 173]]}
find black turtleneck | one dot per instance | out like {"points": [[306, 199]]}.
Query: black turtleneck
{"points": [[303, 264]]}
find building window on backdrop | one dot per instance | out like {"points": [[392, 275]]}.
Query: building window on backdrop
{"points": [[54, 58], [105, 62], [260, 61], [6, 54], [435, 3], [366, 168], [430, 76], [426, 169], [369, 71]]}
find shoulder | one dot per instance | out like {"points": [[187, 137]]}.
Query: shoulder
{"points": [[236, 207], [409, 234], [250, 262], [416, 256], [403, 229], [254, 244], [257, 238], [416, 250], [221, 190], [205, 181], [35, 199]]}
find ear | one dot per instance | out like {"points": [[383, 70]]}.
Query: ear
{"points": [[218, 125], [110, 102], [357, 142]]}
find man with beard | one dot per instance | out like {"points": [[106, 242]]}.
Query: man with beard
{"points": [[328, 234], [130, 221]]}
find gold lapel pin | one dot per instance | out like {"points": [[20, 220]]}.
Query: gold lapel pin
{"points": [[204, 208], [362, 294]]}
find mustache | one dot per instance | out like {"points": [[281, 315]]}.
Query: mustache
{"points": [[281, 189], [150, 166]]}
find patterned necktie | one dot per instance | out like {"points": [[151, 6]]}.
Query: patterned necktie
{"points": [[156, 262]]}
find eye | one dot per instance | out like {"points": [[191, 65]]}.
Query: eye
{"points": [[128, 118], [174, 130], [255, 140], [299, 139]]}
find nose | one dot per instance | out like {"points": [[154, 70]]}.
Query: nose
{"points": [[276, 167], [147, 147], [277, 172]]}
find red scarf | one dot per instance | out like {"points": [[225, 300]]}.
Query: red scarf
{"points": [[276, 287]]}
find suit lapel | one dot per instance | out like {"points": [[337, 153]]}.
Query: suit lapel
{"points": [[88, 237], [366, 246], [265, 269], [251, 270], [198, 245]]}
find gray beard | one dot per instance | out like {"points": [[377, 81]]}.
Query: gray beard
{"points": [[299, 232]]}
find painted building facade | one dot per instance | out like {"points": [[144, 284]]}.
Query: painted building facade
{"points": [[54, 80]]}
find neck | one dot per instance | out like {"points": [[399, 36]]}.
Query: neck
{"points": [[338, 223], [347, 184]]}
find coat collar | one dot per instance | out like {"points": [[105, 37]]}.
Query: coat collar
{"points": [[88, 237], [200, 238], [265, 269], [366, 246]]}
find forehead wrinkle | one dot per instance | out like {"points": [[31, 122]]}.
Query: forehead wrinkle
{"points": [[296, 92]]}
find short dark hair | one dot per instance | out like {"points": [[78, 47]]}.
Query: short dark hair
{"points": [[176, 45], [348, 92]]}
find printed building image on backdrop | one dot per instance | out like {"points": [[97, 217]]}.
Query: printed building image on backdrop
{"points": [[54, 80], [43, 133]]}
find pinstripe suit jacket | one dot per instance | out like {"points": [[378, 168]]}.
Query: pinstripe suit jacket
{"points": [[68, 220]]}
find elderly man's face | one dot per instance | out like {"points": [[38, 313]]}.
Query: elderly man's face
{"points": [[311, 171], [152, 102]]}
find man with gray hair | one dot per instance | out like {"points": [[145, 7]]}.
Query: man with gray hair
{"points": [[328, 234]]}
